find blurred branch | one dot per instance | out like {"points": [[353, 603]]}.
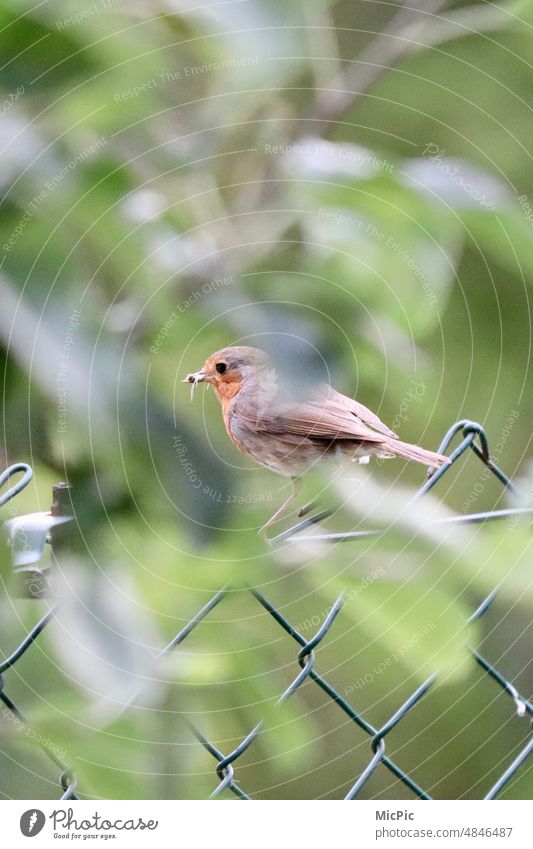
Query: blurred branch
{"points": [[471, 20], [386, 50], [322, 38]]}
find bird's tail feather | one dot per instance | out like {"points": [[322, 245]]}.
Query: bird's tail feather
{"points": [[419, 455]]}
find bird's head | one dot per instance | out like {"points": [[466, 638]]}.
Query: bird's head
{"points": [[231, 369]]}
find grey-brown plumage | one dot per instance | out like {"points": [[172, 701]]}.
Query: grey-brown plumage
{"points": [[289, 437], [328, 423]]}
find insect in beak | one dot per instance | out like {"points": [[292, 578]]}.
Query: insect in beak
{"points": [[194, 379]]}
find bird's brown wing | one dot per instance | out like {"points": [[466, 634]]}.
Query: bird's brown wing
{"points": [[326, 415], [359, 410]]}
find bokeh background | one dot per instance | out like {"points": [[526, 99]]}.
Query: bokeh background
{"points": [[348, 185]]}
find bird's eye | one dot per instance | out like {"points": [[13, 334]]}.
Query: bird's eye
{"points": [[221, 367]]}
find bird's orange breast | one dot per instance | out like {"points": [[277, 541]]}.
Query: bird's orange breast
{"points": [[226, 392]]}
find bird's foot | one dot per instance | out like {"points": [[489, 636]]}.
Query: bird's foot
{"points": [[303, 511]]}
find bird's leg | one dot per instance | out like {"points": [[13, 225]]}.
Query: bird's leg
{"points": [[303, 511], [281, 509]]}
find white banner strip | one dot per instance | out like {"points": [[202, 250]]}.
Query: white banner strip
{"points": [[359, 824]]}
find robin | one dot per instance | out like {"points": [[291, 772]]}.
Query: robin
{"points": [[290, 436]]}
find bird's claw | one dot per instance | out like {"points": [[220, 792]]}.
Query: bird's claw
{"points": [[303, 511]]}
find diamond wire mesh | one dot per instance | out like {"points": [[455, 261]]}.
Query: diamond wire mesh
{"points": [[225, 763]]}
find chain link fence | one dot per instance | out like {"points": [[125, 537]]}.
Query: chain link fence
{"points": [[226, 764]]}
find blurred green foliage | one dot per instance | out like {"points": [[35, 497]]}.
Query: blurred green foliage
{"points": [[180, 177]]}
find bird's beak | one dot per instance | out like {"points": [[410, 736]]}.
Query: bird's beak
{"points": [[194, 379]]}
